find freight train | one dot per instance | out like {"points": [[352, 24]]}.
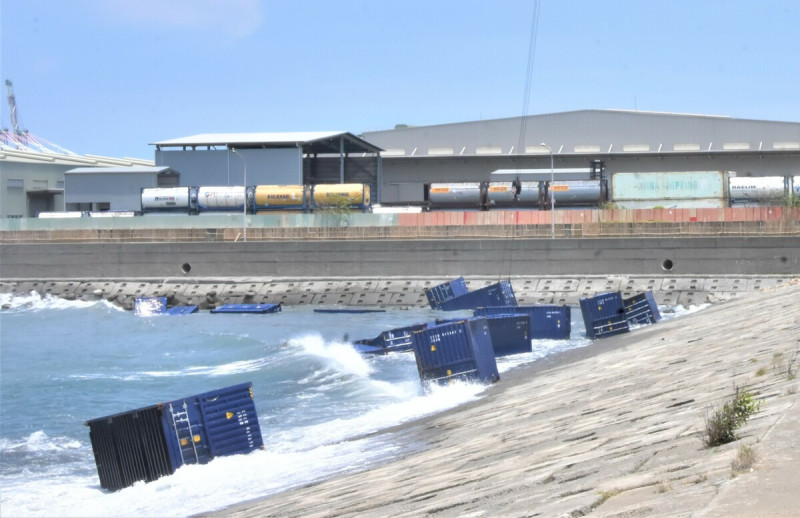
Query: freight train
{"points": [[627, 190], [256, 199]]}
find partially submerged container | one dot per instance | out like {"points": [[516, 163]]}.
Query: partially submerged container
{"points": [[443, 292], [456, 350], [604, 315], [546, 321], [498, 294], [641, 309], [151, 442], [394, 340], [248, 308], [510, 334]]}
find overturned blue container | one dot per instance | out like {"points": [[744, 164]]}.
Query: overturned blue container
{"points": [[641, 309], [394, 340], [546, 322], [248, 308], [510, 334], [456, 350], [151, 442], [498, 294], [447, 291], [604, 314]]}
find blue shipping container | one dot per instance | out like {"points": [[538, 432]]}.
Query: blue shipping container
{"points": [[460, 349], [394, 340], [151, 442], [498, 294], [248, 308], [602, 306], [510, 334], [221, 422], [608, 326], [642, 309], [547, 322], [444, 292], [145, 306]]}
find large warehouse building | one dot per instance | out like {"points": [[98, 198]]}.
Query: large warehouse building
{"points": [[625, 141]]}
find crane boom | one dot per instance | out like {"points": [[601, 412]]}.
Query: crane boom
{"points": [[12, 107]]}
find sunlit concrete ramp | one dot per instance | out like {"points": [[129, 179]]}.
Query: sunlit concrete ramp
{"points": [[612, 429]]}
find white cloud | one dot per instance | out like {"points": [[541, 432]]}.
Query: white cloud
{"points": [[231, 18]]}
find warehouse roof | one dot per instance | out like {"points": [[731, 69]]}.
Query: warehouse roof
{"points": [[35, 157], [122, 170], [313, 142]]}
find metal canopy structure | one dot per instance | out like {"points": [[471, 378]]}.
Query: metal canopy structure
{"points": [[312, 142]]}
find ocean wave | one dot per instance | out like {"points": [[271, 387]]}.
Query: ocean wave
{"points": [[338, 356], [35, 302], [39, 442]]}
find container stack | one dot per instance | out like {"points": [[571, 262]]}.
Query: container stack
{"points": [[154, 441]]}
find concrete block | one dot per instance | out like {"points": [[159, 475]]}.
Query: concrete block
{"points": [[557, 285], [726, 284]]}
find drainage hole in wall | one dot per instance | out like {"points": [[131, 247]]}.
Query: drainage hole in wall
{"points": [[186, 268], [667, 265]]}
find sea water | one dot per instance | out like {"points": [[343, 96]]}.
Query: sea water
{"points": [[65, 362]]}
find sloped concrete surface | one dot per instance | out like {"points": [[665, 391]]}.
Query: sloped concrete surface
{"points": [[614, 429]]}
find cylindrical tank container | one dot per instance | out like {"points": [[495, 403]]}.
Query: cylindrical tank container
{"points": [[162, 199], [757, 188], [225, 198], [574, 193], [281, 197], [531, 195], [501, 194], [690, 185], [353, 195], [467, 195]]}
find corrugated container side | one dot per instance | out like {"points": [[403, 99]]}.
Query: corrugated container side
{"points": [[510, 334], [129, 447], [460, 349], [546, 322], [668, 185], [498, 294], [212, 424], [642, 309], [601, 306], [446, 291]]}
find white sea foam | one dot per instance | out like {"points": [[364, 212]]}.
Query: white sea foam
{"points": [[339, 356], [34, 301]]}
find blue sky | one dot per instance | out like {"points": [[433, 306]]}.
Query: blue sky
{"points": [[107, 77]]}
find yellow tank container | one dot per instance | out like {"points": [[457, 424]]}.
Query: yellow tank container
{"points": [[356, 194], [267, 196]]}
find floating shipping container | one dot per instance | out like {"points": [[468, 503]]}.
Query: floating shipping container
{"points": [[510, 334], [148, 443], [498, 294], [603, 313], [692, 185], [456, 350], [608, 326], [444, 292], [641, 309], [248, 308], [394, 340], [546, 322]]}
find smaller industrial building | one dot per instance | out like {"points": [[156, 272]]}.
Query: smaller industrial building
{"points": [[89, 189]]}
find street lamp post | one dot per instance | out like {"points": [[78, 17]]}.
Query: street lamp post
{"points": [[550, 193], [244, 209]]}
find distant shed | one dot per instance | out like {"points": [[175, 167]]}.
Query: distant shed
{"points": [[113, 188], [285, 158]]}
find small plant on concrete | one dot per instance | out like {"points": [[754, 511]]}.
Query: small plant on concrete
{"points": [[745, 458], [761, 371], [722, 422]]}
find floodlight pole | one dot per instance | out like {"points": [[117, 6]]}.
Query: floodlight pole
{"points": [[244, 210], [550, 193]]}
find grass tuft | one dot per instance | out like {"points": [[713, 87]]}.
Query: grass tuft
{"points": [[723, 421]]}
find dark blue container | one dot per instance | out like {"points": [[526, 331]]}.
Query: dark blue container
{"points": [[182, 310], [221, 422], [456, 350], [394, 340], [547, 322], [642, 309], [146, 306], [151, 442], [248, 308], [510, 334], [607, 306], [444, 292], [498, 294]]}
